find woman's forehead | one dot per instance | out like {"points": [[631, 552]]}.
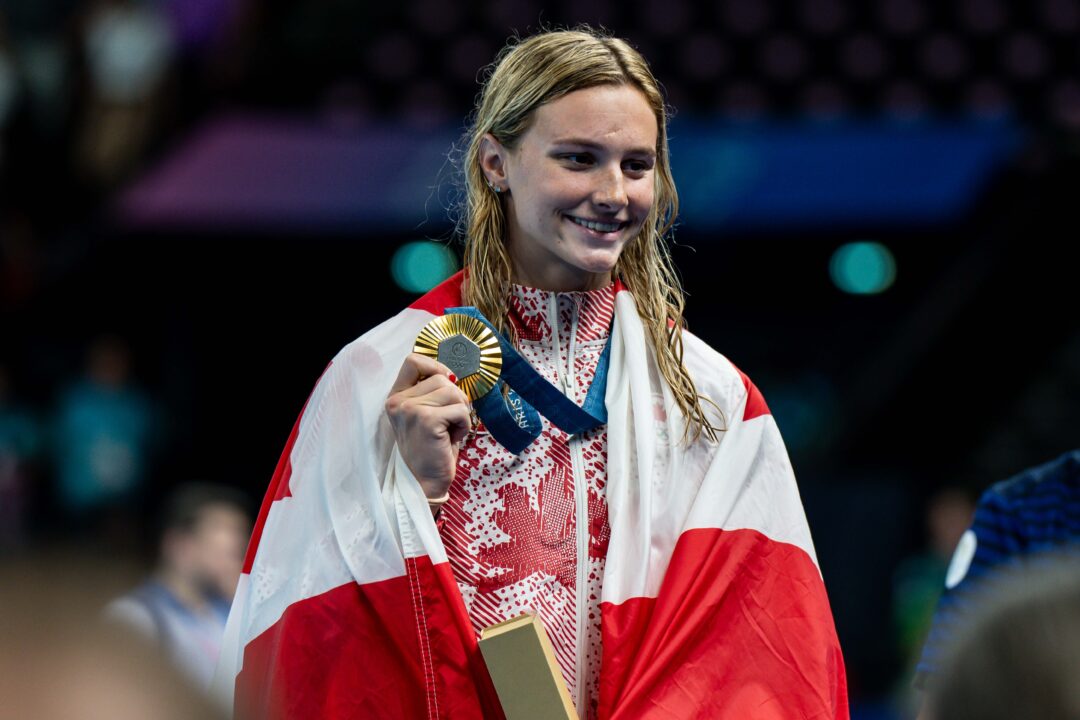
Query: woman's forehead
{"points": [[610, 115]]}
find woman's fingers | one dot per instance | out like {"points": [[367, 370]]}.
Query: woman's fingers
{"points": [[411, 403], [432, 410], [430, 416], [458, 421], [447, 391], [415, 368]]}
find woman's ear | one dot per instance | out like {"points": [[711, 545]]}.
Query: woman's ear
{"points": [[493, 162]]}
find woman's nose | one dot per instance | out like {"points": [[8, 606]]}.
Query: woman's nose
{"points": [[610, 193]]}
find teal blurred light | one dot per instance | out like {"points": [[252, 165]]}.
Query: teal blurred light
{"points": [[863, 268], [419, 266]]}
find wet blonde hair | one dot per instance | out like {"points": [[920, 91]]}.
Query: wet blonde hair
{"points": [[538, 70]]}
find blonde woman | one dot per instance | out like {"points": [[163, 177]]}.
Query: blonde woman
{"points": [[622, 480]]}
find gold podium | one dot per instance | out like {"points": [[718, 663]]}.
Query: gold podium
{"points": [[523, 667]]}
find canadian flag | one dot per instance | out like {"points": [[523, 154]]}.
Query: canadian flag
{"points": [[712, 604]]}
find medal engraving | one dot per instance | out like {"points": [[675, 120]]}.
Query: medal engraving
{"points": [[465, 345], [460, 354]]}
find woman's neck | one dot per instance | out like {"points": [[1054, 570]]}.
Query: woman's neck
{"points": [[539, 267], [557, 279]]}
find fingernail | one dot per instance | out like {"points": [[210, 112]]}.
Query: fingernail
{"points": [[453, 377]]}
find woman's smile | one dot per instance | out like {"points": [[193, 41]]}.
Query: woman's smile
{"points": [[600, 229]]}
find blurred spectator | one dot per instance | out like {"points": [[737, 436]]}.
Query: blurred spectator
{"points": [[9, 86], [1016, 521], [1020, 655], [43, 59], [184, 605], [919, 579], [105, 433], [20, 442], [58, 661], [128, 49]]}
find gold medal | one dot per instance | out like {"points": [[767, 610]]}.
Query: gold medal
{"points": [[465, 345]]}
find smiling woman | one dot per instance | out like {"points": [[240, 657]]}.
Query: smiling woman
{"points": [[623, 481], [547, 90], [579, 185]]}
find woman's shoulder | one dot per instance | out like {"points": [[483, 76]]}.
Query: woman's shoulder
{"points": [[382, 348]]}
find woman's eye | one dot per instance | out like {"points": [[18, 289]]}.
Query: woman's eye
{"points": [[578, 158], [638, 166]]}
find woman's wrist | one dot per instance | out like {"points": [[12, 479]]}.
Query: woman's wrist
{"points": [[435, 503], [435, 499], [438, 501]]}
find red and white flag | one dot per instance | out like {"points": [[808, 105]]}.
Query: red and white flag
{"points": [[712, 603]]}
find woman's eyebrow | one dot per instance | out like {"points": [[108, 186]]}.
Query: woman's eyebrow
{"points": [[581, 142]]}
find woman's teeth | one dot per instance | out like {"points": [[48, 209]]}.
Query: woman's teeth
{"points": [[597, 226]]}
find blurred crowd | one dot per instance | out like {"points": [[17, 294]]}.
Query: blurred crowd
{"points": [[90, 92], [77, 485], [80, 470], [86, 636]]}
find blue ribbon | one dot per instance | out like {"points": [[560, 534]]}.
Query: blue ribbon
{"points": [[513, 417]]}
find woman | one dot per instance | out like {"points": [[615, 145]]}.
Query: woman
{"points": [[663, 543]]}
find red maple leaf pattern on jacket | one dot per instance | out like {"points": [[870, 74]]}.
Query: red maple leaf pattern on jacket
{"points": [[539, 538], [510, 526]]}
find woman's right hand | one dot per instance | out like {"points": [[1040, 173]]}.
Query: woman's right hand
{"points": [[430, 416]]}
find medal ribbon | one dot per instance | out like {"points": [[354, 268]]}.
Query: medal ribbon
{"points": [[513, 417]]}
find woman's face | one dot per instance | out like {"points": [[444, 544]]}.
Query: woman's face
{"points": [[580, 185]]}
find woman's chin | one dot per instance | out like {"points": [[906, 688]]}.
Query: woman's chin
{"points": [[597, 274], [600, 264]]}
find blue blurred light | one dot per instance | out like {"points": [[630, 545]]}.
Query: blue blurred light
{"points": [[419, 266], [863, 268]]}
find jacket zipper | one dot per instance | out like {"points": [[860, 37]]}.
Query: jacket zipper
{"points": [[581, 526]]}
